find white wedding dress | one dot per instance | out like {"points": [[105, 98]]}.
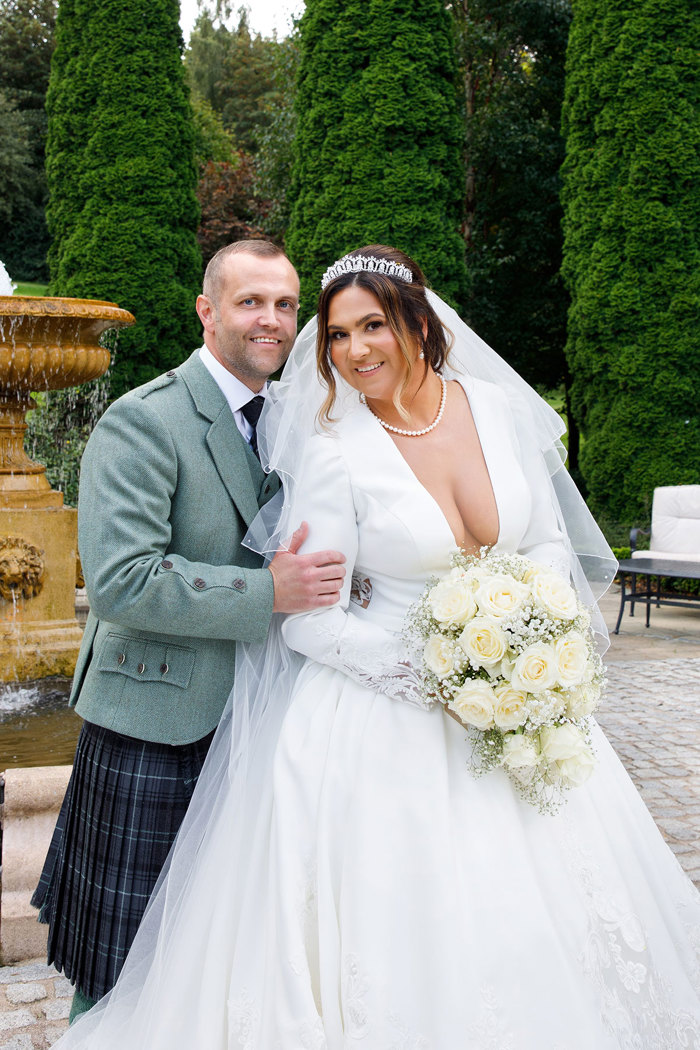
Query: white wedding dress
{"points": [[391, 900]]}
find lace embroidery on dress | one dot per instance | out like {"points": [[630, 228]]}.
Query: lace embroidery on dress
{"points": [[408, 1038], [490, 1031], [636, 1001], [360, 590], [354, 984], [312, 1035], [379, 669], [244, 1019]]}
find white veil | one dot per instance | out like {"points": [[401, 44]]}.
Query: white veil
{"points": [[169, 989]]}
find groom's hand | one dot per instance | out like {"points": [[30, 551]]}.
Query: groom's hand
{"points": [[305, 581]]}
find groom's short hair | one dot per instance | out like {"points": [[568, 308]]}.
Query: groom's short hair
{"points": [[213, 275]]}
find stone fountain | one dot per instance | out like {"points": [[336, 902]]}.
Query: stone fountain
{"points": [[45, 344]]}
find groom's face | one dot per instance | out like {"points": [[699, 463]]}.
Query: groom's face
{"points": [[250, 329]]}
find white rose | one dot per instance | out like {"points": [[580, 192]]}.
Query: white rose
{"points": [[560, 743], [535, 669], [555, 595], [439, 655], [533, 571], [576, 771], [452, 601], [510, 710], [483, 641], [500, 596], [582, 700], [476, 575], [473, 702], [504, 669], [572, 659], [520, 752]]}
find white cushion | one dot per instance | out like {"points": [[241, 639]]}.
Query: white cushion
{"points": [[668, 555], [675, 520]]}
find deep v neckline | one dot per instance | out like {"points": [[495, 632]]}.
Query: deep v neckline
{"points": [[388, 438]]}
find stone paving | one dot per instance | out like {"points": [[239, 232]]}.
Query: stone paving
{"points": [[34, 1006], [652, 717]]}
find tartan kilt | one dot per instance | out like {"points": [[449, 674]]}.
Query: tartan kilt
{"points": [[123, 807]]}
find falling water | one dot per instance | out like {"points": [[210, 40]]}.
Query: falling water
{"points": [[7, 286], [61, 423]]}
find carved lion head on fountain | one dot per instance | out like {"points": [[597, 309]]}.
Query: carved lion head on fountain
{"points": [[21, 569]]}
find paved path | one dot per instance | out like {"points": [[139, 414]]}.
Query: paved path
{"points": [[652, 717], [34, 1006]]}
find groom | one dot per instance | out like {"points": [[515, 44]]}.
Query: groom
{"points": [[170, 482]]}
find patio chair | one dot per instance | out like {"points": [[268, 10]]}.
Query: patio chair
{"points": [[675, 525]]}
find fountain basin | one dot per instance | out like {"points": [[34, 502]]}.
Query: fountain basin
{"points": [[45, 344], [51, 343]]}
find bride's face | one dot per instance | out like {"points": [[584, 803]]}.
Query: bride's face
{"points": [[364, 349]]}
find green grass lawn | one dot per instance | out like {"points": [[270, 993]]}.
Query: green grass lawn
{"points": [[30, 289]]}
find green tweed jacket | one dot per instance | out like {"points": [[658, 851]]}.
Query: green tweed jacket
{"points": [[168, 488]]}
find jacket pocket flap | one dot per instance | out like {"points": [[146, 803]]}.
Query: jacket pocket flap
{"points": [[147, 661]]}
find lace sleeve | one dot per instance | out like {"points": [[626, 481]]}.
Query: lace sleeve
{"points": [[367, 652], [382, 663]]}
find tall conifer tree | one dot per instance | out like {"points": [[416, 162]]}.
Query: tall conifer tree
{"points": [[26, 42], [632, 247], [378, 145], [123, 213], [511, 59]]}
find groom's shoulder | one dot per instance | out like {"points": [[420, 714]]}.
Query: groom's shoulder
{"points": [[162, 390], [172, 383], [164, 382], [160, 405]]}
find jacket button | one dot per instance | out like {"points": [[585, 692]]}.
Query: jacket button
{"points": [[199, 583], [121, 658], [141, 668], [166, 564], [170, 374], [164, 668], [239, 584]]}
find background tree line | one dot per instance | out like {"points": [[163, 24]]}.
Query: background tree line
{"points": [[504, 67], [434, 125]]}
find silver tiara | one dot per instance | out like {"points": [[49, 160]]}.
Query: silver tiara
{"points": [[369, 263]]}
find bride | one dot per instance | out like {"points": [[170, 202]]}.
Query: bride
{"points": [[342, 879]]}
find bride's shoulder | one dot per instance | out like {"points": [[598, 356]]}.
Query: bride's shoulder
{"points": [[482, 392], [332, 438], [346, 425]]}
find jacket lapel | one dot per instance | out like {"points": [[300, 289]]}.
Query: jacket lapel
{"points": [[229, 450]]}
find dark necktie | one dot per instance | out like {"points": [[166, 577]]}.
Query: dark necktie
{"points": [[252, 411]]}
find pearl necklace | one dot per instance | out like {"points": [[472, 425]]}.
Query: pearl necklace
{"points": [[413, 433]]}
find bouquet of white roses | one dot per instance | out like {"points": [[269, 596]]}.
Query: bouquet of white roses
{"points": [[508, 648]]}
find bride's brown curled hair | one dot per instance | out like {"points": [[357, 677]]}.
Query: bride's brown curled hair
{"points": [[407, 311]]}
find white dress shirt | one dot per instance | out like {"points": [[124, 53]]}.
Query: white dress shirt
{"points": [[236, 393]]}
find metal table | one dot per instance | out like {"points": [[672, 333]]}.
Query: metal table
{"points": [[658, 567]]}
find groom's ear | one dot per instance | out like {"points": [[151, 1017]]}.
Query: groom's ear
{"points": [[207, 312]]}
